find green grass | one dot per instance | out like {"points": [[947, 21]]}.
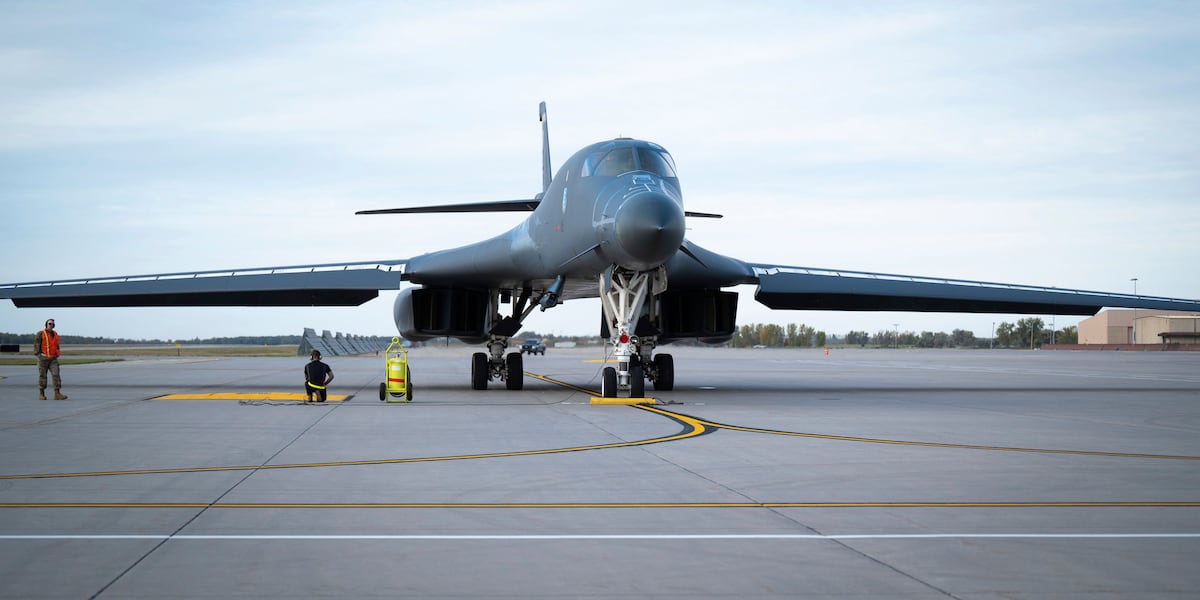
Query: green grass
{"points": [[20, 361], [88, 354], [231, 351]]}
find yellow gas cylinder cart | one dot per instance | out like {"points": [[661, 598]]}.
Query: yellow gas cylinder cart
{"points": [[397, 387]]}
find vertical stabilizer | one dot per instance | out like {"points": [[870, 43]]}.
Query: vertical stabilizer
{"points": [[546, 175]]}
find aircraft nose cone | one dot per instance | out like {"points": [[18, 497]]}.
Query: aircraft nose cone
{"points": [[649, 228]]}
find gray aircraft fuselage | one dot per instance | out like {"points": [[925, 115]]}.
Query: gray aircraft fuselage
{"points": [[612, 203]]}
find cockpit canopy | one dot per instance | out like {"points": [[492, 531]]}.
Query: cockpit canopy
{"points": [[624, 159]]}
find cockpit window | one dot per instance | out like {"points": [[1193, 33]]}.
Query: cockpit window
{"points": [[589, 164], [656, 162], [621, 160], [617, 162]]}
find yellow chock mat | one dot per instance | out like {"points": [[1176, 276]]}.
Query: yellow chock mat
{"points": [[295, 396], [623, 401]]}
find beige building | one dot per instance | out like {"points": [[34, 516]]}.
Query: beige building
{"points": [[1152, 327]]}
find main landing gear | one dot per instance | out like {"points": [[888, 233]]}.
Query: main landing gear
{"points": [[626, 296], [623, 296], [493, 364]]}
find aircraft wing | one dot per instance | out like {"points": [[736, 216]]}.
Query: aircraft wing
{"points": [[480, 207], [339, 284], [471, 207], [800, 288]]}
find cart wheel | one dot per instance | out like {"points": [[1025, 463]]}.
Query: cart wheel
{"points": [[382, 392], [408, 383]]}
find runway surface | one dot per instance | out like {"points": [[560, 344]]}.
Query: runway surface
{"points": [[764, 474]]}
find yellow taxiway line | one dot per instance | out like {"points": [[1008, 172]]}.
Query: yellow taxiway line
{"points": [[866, 440], [690, 428]]}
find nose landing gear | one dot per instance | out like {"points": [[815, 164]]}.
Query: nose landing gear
{"points": [[623, 296]]}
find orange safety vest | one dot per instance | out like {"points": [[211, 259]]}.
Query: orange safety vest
{"points": [[48, 343]]}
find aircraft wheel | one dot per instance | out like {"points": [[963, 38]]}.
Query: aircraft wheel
{"points": [[479, 371], [382, 392], [665, 381], [608, 382], [637, 382], [516, 371], [408, 383]]}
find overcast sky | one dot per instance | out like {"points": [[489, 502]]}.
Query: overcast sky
{"points": [[1044, 143]]}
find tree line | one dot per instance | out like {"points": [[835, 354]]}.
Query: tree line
{"points": [[1032, 333], [1025, 333], [778, 336]]}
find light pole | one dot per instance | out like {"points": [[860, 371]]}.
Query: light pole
{"points": [[992, 342], [1134, 280], [897, 327]]}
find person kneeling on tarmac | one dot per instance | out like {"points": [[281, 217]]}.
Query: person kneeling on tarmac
{"points": [[317, 375]]}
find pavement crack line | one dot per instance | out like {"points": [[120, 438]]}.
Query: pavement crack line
{"points": [[893, 568], [205, 509]]}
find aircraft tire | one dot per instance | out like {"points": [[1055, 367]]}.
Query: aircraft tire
{"points": [[515, 379], [608, 382], [479, 371], [637, 382], [665, 381], [382, 392]]}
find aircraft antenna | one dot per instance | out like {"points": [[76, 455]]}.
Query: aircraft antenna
{"points": [[546, 176]]}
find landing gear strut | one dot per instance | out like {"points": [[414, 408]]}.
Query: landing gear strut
{"points": [[624, 296], [493, 364]]}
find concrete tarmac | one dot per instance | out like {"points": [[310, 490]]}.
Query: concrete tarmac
{"points": [[764, 474]]}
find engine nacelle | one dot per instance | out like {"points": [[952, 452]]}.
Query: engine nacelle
{"points": [[423, 313], [709, 315]]}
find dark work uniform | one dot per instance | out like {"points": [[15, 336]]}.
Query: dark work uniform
{"points": [[314, 376]]}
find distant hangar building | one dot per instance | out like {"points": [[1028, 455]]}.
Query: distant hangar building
{"points": [[1160, 327]]}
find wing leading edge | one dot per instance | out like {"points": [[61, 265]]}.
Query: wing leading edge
{"points": [[482, 207], [798, 288], [471, 207], [343, 284]]}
